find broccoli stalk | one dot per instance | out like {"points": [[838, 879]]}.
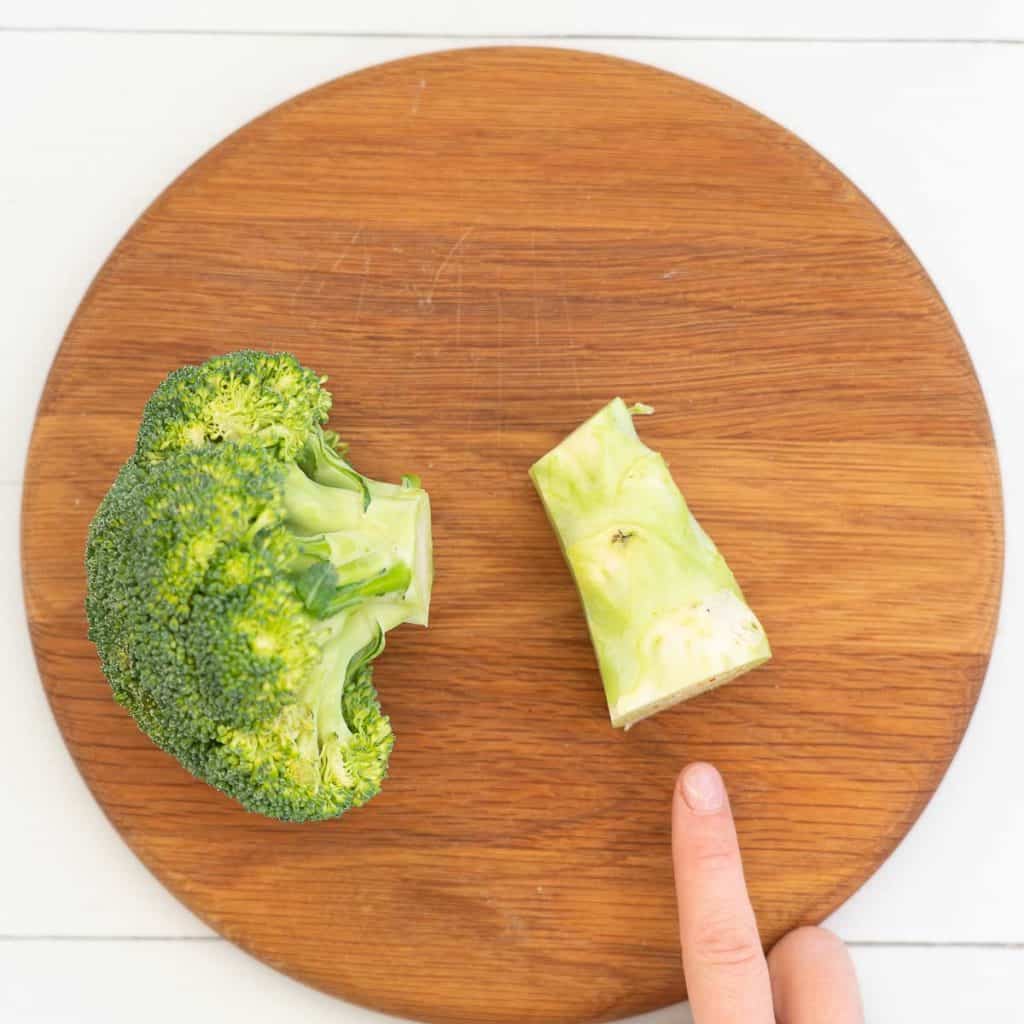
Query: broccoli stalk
{"points": [[666, 616], [359, 550], [241, 577]]}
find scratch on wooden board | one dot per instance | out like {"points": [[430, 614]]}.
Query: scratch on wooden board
{"points": [[339, 260], [429, 297], [298, 291], [471, 355], [572, 341], [533, 277], [501, 363], [417, 96], [569, 327], [458, 313], [336, 265], [367, 263]]}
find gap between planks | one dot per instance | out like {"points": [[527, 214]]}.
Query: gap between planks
{"points": [[517, 37], [852, 944]]}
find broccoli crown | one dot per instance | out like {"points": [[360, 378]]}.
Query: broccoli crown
{"points": [[265, 399], [237, 604]]}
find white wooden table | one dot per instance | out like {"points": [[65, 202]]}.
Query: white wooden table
{"points": [[102, 102]]}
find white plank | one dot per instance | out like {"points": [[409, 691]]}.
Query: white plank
{"points": [[103, 122], [911, 19], [113, 982]]}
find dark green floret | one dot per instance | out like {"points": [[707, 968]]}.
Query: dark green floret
{"points": [[241, 578]]}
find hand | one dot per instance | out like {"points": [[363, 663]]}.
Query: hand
{"points": [[808, 978]]}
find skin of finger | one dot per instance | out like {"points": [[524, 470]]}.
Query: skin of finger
{"points": [[726, 973], [813, 979]]}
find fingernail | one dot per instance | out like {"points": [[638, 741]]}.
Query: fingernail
{"points": [[702, 789]]}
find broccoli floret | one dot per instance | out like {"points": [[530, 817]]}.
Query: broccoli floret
{"points": [[237, 603], [265, 399]]}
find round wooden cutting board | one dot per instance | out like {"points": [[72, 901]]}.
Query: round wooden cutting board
{"points": [[480, 248]]}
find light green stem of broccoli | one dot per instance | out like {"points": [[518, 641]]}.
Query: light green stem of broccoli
{"points": [[353, 641], [350, 634], [351, 554], [355, 572], [666, 616], [322, 462]]}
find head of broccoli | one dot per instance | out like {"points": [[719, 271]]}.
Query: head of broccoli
{"points": [[241, 578]]}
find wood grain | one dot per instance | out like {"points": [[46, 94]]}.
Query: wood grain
{"points": [[480, 248]]}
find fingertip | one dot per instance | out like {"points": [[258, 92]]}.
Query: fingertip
{"points": [[813, 976], [701, 787], [810, 943]]}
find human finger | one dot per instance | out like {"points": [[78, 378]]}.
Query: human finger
{"points": [[726, 972], [813, 979]]}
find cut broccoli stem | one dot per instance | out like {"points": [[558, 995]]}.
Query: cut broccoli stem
{"points": [[321, 461], [326, 592], [365, 546], [394, 580], [333, 670], [348, 554], [312, 549], [666, 616], [358, 641], [312, 508]]}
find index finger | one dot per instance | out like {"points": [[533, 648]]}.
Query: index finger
{"points": [[726, 972]]}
